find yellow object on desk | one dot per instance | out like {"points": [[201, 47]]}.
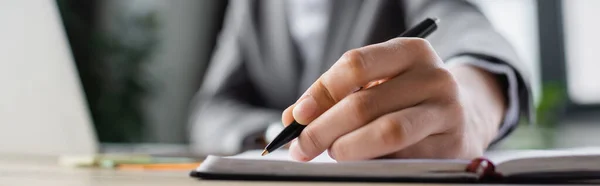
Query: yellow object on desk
{"points": [[113, 161], [96, 159]]}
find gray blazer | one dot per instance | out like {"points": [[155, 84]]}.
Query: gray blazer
{"points": [[256, 71]]}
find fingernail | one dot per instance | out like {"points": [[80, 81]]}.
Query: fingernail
{"points": [[305, 110], [296, 153]]}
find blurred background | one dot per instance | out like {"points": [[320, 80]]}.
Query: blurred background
{"points": [[141, 61]]}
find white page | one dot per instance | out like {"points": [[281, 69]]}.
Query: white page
{"points": [[279, 155], [498, 157], [514, 162]]}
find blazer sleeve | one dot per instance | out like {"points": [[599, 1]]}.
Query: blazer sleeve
{"points": [[226, 111], [465, 31]]}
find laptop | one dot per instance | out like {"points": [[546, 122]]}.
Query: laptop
{"points": [[42, 105]]}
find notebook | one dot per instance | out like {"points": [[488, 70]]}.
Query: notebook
{"points": [[494, 166]]}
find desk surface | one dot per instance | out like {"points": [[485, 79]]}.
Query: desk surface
{"points": [[39, 170]]}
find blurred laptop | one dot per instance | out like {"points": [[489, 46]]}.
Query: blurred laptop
{"points": [[42, 105]]}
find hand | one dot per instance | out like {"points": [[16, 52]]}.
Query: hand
{"points": [[411, 106]]}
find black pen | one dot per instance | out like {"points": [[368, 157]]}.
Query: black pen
{"points": [[292, 131]]}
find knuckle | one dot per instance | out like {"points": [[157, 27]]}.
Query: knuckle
{"points": [[323, 88], [418, 48], [394, 131], [340, 151], [315, 143], [418, 42], [354, 59], [422, 46], [361, 106], [447, 84]]}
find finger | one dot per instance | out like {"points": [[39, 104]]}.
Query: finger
{"points": [[295, 154], [286, 117], [389, 133], [358, 67], [362, 107]]}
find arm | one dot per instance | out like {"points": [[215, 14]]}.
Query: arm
{"points": [[227, 111]]}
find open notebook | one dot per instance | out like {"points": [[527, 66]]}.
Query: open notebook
{"points": [[527, 165]]}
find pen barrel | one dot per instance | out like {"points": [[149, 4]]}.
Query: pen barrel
{"points": [[288, 134], [421, 30]]}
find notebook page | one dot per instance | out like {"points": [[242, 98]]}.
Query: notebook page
{"points": [[515, 162], [500, 156], [278, 155]]}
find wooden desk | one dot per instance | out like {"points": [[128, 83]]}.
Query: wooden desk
{"points": [[39, 170]]}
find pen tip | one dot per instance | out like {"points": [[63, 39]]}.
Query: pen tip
{"points": [[435, 19], [265, 152]]}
